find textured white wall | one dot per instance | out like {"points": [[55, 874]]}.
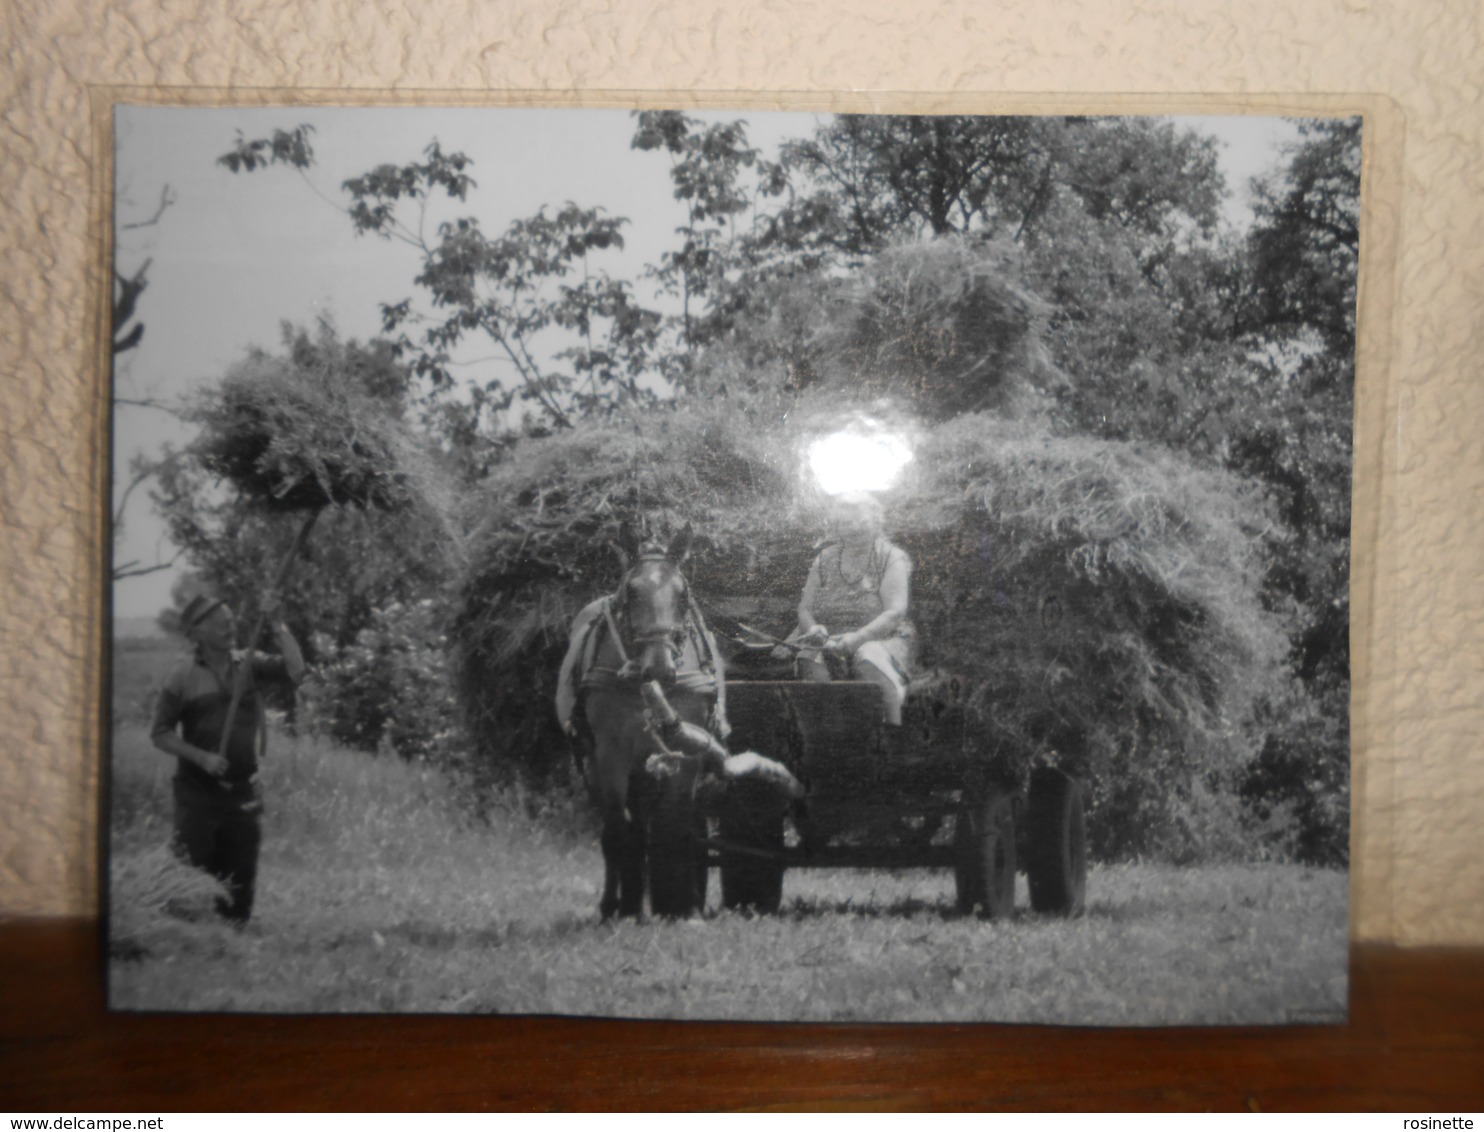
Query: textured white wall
{"points": [[1420, 796]]}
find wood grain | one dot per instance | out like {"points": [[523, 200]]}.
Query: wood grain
{"points": [[1415, 1041]]}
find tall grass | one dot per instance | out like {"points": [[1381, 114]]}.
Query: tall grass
{"points": [[358, 842], [381, 890]]}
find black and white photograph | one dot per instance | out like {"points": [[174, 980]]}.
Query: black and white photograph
{"points": [[740, 565]]}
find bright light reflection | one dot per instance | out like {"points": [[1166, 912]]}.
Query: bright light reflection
{"points": [[850, 461]]}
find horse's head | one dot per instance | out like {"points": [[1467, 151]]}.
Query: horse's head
{"points": [[652, 604]]}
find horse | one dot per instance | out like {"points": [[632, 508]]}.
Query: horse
{"points": [[649, 632]]}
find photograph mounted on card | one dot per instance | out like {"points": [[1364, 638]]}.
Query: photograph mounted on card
{"points": [[703, 560]]}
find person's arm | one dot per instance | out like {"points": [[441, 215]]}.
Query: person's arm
{"points": [[288, 648], [809, 629], [896, 585], [290, 658], [163, 734]]}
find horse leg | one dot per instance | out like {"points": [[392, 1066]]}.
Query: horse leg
{"points": [[615, 842], [623, 866], [611, 786], [623, 848], [633, 872]]}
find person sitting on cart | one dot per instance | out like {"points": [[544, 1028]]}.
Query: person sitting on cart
{"points": [[853, 612]]}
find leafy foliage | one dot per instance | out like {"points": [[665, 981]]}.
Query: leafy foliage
{"points": [[1306, 245], [516, 290], [376, 194], [513, 289], [388, 690], [1300, 312], [872, 179], [286, 147], [706, 166]]}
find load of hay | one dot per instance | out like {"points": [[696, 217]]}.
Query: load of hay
{"points": [[1099, 603], [1102, 603], [319, 427], [940, 328]]}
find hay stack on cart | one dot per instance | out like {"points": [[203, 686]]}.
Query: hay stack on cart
{"points": [[1095, 605]]}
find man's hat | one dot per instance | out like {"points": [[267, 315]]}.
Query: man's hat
{"points": [[197, 610]]}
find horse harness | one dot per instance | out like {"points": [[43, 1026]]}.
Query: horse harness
{"points": [[590, 674]]}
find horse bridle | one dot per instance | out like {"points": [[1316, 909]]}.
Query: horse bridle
{"points": [[616, 610]]}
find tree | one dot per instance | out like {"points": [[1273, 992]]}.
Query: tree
{"points": [[573, 339], [1297, 320], [863, 181], [868, 179], [706, 165], [1305, 245], [128, 288]]}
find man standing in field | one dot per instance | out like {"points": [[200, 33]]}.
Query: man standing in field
{"points": [[218, 800]]}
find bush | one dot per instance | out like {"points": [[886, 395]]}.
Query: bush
{"points": [[1298, 786], [389, 690]]}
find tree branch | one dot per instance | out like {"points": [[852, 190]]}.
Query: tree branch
{"points": [[147, 403], [166, 200], [134, 570]]}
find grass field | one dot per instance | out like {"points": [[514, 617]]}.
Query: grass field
{"points": [[377, 892]]}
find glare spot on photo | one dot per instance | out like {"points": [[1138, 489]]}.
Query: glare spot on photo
{"points": [[853, 462]]}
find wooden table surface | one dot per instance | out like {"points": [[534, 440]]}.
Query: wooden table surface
{"points": [[1415, 1042]]}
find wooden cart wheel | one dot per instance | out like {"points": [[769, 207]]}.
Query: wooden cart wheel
{"points": [[677, 860], [752, 819], [984, 856], [1056, 843]]}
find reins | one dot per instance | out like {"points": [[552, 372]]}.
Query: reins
{"points": [[754, 638]]}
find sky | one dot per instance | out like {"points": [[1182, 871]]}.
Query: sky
{"points": [[235, 255]]}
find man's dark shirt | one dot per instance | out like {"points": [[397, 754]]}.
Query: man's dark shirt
{"points": [[195, 700]]}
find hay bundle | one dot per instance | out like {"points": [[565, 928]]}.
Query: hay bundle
{"points": [[941, 326], [1102, 602], [152, 896], [313, 430]]}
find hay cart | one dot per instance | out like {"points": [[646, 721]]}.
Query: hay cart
{"points": [[924, 795]]}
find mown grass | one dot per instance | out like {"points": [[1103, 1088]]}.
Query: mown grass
{"points": [[378, 892]]}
